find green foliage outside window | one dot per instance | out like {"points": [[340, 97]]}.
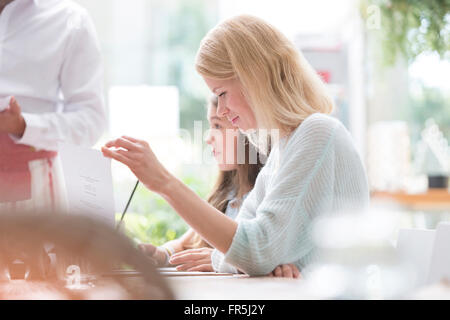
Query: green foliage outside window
{"points": [[411, 27], [188, 24], [150, 219], [407, 29], [429, 103]]}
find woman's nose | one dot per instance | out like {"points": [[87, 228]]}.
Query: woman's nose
{"points": [[222, 110], [209, 137]]}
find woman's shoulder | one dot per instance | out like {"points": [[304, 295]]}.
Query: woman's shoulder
{"points": [[320, 132], [319, 122], [316, 127]]}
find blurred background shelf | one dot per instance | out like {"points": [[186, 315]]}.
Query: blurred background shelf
{"points": [[433, 199]]}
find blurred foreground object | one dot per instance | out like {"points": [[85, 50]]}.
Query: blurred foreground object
{"points": [[431, 200], [357, 257], [98, 248]]}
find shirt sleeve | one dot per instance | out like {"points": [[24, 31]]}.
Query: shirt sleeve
{"points": [[299, 189], [83, 118]]}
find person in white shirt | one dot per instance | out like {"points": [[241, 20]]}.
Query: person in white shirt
{"points": [[51, 74]]}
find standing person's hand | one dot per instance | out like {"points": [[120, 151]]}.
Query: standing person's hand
{"points": [[286, 271], [139, 157], [193, 260], [11, 119]]}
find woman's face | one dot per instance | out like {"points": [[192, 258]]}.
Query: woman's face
{"points": [[223, 140], [232, 103]]}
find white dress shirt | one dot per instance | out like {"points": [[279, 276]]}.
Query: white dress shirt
{"points": [[50, 61]]}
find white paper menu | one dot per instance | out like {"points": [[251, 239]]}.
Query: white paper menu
{"points": [[88, 182]]}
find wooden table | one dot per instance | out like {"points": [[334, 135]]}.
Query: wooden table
{"points": [[208, 288], [267, 288], [238, 288], [226, 286]]}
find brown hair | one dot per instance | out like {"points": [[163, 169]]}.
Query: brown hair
{"points": [[237, 182]]}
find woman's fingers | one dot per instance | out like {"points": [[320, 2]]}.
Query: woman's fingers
{"points": [[116, 156], [190, 258], [125, 147], [277, 272], [193, 253], [287, 271], [182, 267], [191, 264], [295, 271], [129, 154], [186, 257], [188, 251], [123, 143], [131, 139], [207, 267]]}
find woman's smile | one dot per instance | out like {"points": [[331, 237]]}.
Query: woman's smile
{"points": [[234, 120]]}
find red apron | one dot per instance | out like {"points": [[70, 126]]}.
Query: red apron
{"points": [[15, 175]]}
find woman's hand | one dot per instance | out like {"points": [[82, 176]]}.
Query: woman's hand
{"points": [[286, 271], [139, 157], [193, 260], [157, 254]]}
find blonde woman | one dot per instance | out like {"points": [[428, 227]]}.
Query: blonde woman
{"points": [[263, 82]]}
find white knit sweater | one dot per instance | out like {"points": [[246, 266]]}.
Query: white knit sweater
{"points": [[314, 171]]}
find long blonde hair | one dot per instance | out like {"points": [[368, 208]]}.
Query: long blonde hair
{"points": [[279, 84]]}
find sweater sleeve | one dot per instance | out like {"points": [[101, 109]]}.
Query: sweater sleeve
{"points": [[299, 189], [219, 265]]}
